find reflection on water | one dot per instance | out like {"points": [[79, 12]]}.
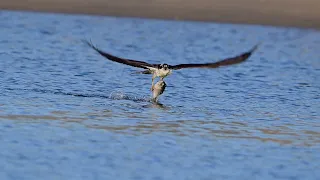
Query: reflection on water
{"points": [[284, 134]]}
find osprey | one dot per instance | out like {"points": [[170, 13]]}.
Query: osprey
{"points": [[163, 70]]}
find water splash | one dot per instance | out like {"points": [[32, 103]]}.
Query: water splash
{"points": [[118, 95], [115, 95]]}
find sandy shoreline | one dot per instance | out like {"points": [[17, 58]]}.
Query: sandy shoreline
{"points": [[295, 13]]}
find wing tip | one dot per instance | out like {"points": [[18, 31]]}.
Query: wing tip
{"points": [[255, 47], [89, 43]]}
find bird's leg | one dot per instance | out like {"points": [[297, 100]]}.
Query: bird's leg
{"points": [[153, 77], [152, 84]]}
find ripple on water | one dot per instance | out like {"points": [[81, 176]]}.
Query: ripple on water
{"points": [[66, 112]]}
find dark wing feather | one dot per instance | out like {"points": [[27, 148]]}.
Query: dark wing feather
{"points": [[130, 62], [228, 61]]}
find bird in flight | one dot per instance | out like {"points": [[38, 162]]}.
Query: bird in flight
{"points": [[163, 70]]}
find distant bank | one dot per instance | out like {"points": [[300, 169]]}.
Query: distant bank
{"points": [[295, 13]]}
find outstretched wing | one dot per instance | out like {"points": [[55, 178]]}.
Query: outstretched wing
{"points": [[130, 62], [228, 61]]}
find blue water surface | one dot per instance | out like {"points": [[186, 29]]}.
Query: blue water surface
{"points": [[68, 113]]}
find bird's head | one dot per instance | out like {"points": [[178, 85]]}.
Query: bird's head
{"points": [[163, 66]]}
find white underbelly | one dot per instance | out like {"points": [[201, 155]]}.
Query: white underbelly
{"points": [[163, 73]]}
